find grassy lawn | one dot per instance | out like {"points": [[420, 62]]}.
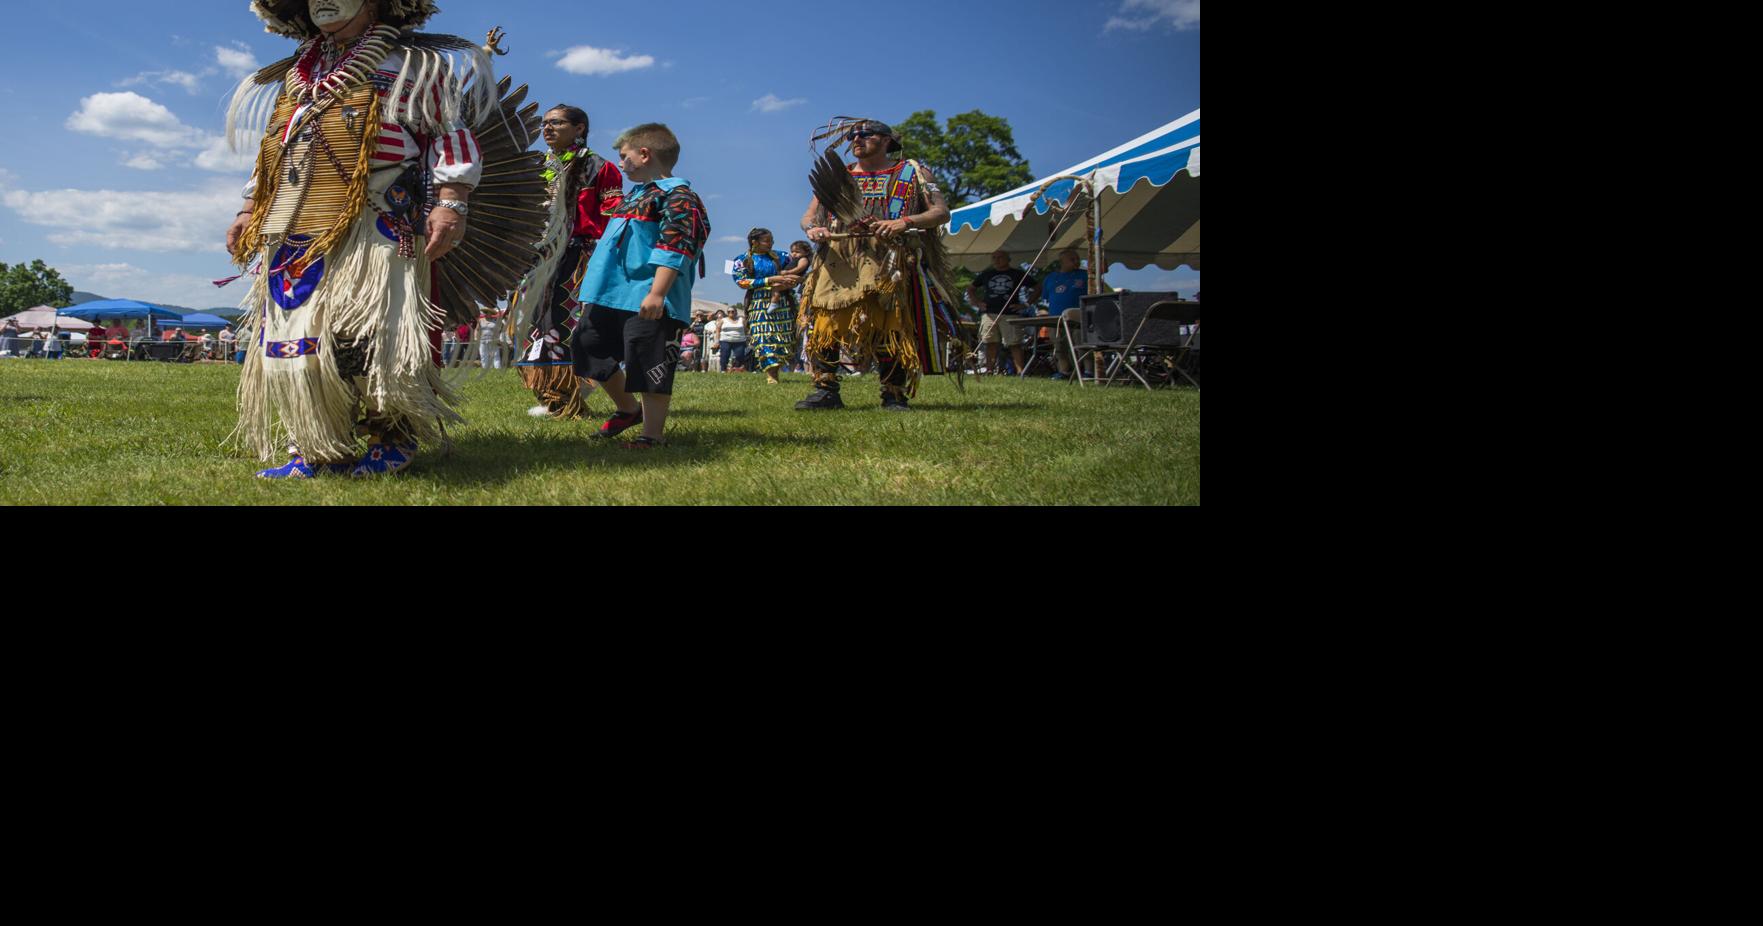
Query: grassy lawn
{"points": [[104, 432]]}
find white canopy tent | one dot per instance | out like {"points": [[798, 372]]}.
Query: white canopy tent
{"points": [[708, 306], [43, 317], [1150, 207]]}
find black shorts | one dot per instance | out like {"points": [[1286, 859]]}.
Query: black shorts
{"points": [[650, 349]]}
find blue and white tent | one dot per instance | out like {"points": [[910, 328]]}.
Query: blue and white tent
{"points": [[1150, 191]]}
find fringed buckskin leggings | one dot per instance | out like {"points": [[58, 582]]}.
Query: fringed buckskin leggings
{"points": [[826, 372]]}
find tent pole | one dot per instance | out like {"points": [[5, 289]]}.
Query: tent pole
{"points": [[1096, 242], [1097, 269]]}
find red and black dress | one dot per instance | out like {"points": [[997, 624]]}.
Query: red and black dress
{"points": [[590, 189]]}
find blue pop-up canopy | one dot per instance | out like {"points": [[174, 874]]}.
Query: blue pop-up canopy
{"points": [[119, 308], [202, 320], [1150, 197]]}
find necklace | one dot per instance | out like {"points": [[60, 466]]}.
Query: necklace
{"points": [[360, 60], [556, 166]]}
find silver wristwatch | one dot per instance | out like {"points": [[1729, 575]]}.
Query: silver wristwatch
{"points": [[457, 205]]}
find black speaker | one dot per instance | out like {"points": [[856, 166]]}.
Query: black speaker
{"points": [[1110, 319]]}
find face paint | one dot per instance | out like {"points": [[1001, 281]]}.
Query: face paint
{"points": [[329, 12]]}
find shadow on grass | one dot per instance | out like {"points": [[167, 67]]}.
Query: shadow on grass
{"points": [[726, 413], [973, 406], [487, 459]]}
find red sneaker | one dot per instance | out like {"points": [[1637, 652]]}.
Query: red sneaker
{"points": [[620, 423]]}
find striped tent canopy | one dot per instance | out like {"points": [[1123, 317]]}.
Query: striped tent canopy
{"points": [[1150, 191]]}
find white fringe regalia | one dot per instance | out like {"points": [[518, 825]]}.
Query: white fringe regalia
{"points": [[361, 336]]}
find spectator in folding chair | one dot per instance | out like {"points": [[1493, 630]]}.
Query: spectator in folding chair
{"points": [[116, 343], [1064, 287], [688, 356]]}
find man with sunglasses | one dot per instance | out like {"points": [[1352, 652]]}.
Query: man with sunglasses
{"points": [[878, 286], [583, 190]]}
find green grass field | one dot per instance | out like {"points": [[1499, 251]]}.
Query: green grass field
{"points": [[82, 432]]}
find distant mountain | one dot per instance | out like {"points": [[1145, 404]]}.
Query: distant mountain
{"points": [[79, 297]]}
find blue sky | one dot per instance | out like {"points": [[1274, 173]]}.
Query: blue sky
{"points": [[114, 172]]}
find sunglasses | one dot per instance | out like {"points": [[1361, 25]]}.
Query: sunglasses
{"points": [[555, 124], [856, 135]]}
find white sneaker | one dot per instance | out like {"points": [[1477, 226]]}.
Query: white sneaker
{"points": [[539, 411]]}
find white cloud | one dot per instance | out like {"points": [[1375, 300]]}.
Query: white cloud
{"points": [[133, 117], [145, 161], [731, 239], [220, 158], [590, 61], [1139, 15], [192, 83], [127, 281], [693, 102], [237, 61], [769, 103], [165, 222]]}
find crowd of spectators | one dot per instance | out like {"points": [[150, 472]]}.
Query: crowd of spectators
{"points": [[716, 342], [1005, 290], [116, 342]]}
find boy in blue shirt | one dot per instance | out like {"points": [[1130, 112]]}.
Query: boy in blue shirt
{"points": [[638, 287]]}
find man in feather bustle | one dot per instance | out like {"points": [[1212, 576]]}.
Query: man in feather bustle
{"points": [[355, 128], [878, 286]]}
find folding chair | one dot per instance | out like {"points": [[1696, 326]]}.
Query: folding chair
{"points": [[1039, 349], [1080, 345], [1106, 329], [1139, 355]]}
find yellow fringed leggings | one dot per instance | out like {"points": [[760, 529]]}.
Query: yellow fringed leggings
{"points": [[864, 330]]}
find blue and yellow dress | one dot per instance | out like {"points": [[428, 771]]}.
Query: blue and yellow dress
{"points": [[771, 311]]}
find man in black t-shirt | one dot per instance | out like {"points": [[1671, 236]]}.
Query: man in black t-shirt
{"points": [[990, 293]]}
